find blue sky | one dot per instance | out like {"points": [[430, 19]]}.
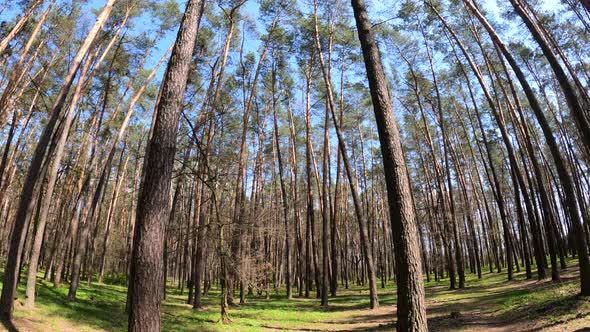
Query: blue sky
{"points": [[378, 10]]}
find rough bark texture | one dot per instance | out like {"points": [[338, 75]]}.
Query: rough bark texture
{"points": [[152, 209], [411, 310]]}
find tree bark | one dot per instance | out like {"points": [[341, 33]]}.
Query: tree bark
{"points": [[411, 309], [566, 181], [34, 172], [152, 209]]}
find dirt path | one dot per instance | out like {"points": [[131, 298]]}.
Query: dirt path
{"points": [[477, 309]]}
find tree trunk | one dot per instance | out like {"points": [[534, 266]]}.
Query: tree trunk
{"points": [[14, 78], [365, 241], [573, 102], [51, 181], [283, 190], [566, 181], [152, 209], [20, 24], [34, 171], [411, 309]]}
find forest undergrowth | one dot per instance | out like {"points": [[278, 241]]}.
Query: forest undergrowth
{"points": [[489, 304]]}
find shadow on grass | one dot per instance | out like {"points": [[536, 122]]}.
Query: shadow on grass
{"points": [[538, 304], [8, 325], [490, 302], [98, 306], [558, 309]]}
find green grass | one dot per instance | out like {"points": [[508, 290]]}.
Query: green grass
{"points": [[97, 307], [259, 314], [101, 307], [544, 302]]}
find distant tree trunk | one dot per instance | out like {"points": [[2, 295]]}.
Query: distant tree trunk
{"points": [[439, 177], [7, 144], [337, 195], [34, 172], [239, 201], [51, 181], [365, 241], [470, 222], [83, 253], [20, 24], [325, 210], [153, 202], [499, 120], [111, 213], [411, 309], [566, 181], [295, 193], [309, 185], [200, 215], [16, 70], [498, 114], [283, 190], [573, 102], [199, 245], [72, 228], [453, 219]]}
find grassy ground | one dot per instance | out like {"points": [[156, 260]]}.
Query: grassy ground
{"points": [[490, 304]]}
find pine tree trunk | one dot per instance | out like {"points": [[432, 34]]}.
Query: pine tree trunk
{"points": [[153, 202], [573, 102], [283, 192], [34, 172], [20, 24], [365, 241], [51, 181], [15, 78], [565, 179], [411, 309]]}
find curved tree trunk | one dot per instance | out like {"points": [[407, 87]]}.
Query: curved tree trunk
{"points": [[573, 102]]}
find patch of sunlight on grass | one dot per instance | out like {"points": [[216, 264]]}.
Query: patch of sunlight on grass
{"points": [[102, 306]]}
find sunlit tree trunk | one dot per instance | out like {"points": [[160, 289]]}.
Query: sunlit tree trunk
{"points": [[34, 172], [152, 209], [411, 308], [565, 179]]}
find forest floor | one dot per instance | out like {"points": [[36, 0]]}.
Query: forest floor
{"points": [[489, 304]]}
